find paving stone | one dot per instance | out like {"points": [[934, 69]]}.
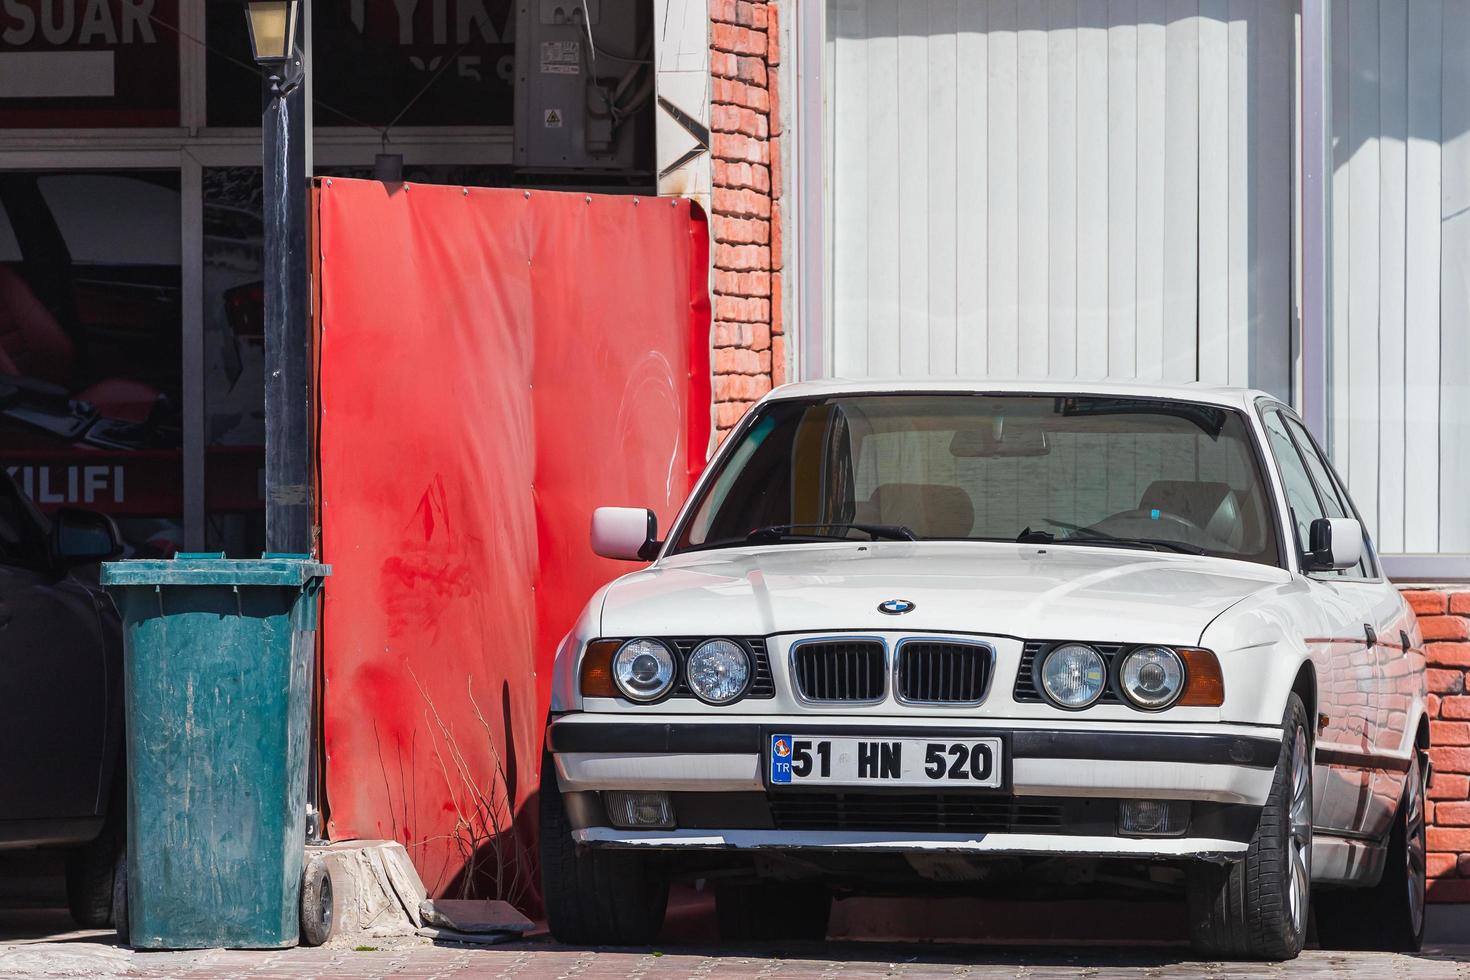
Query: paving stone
{"points": [[541, 960]]}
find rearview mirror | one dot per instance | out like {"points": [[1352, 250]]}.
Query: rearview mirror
{"points": [[81, 537], [1335, 543], [998, 444], [625, 533]]}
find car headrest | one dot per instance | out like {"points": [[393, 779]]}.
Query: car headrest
{"points": [[930, 510], [1211, 506]]}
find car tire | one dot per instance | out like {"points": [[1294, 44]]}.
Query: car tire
{"points": [[773, 912], [595, 897], [1390, 915], [91, 869], [1256, 908]]}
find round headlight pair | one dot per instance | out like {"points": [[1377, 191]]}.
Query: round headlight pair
{"points": [[1075, 675], [717, 672]]}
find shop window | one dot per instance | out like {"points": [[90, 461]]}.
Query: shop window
{"points": [[234, 362], [89, 63], [90, 347], [380, 62]]}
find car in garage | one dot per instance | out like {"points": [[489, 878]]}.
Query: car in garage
{"points": [[61, 699], [996, 638]]}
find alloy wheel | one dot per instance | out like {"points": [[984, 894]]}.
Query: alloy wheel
{"points": [[1300, 845], [1415, 847]]}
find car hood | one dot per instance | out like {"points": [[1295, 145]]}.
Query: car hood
{"points": [[1027, 591]]}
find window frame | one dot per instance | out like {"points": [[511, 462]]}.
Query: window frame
{"points": [[1373, 568], [1261, 457]]}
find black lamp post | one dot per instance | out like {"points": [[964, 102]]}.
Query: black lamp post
{"points": [[276, 33], [276, 39]]}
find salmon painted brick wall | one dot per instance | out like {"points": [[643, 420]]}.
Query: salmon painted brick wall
{"points": [[1444, 619], [749, 341]]}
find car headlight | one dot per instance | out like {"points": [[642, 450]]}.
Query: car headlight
{"points": [[1152, 677], [718, 671], [1073, 675], [644, 670]]}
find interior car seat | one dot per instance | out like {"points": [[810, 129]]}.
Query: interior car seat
{"points": [[930, 510], [33, 345]]}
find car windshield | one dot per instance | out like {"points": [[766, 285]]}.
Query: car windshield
{"points": [[1114, 472]]}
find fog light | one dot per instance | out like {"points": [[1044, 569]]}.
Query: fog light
{"points": [[1153, 818], [639, 811]]}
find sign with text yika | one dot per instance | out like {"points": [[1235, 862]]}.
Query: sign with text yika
{"points": [[89, 63]]}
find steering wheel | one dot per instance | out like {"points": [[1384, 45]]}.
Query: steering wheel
{"points": [[1153, 515]]}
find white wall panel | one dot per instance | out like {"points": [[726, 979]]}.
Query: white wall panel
{"points": [[942, 246], [1093, 261], [1003, 299], [1454, 321], [1400, 338], [1152, 158], [1065, 188], [1214, 191], [1033, 91], [972, 194], [1421, 278], [1061, 189], [1181, 187]]}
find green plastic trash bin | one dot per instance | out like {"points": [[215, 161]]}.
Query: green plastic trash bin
{"points": [[217, 682]]}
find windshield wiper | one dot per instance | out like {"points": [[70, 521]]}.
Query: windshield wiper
{"points": [[1091, 531], [1157, 544], [780, 532]]}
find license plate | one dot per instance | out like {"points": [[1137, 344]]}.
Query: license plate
{"points": [[817, 760]]}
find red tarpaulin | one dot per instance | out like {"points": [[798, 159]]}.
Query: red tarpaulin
{"points": [[493, 365]]}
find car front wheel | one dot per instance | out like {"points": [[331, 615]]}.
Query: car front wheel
{"points": [[1256, 908], [1389, 916], [595, 897]]}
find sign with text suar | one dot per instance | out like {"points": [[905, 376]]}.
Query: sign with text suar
{"points": [[89, 63]]}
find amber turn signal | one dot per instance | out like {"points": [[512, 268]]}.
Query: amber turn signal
{"points": [[597, 676], [1204, 685]]}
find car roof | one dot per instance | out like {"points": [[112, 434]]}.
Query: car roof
{"points": [[1241, 398]]}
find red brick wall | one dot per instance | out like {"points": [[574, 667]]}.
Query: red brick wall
{"points": [[749, 343], [1444, 619]]}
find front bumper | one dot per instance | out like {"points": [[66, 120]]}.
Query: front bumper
{"points": [[1076, 775]]}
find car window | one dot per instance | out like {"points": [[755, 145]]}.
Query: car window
{"points": [[22, 528], [996, 468], [1333, 495], [1301, 492]]}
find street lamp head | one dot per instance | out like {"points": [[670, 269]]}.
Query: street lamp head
{"points": [[272, 29]]}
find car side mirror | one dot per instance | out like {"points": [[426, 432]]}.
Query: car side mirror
{"points": [[81, 537], [625, 533], [1335, 543]]}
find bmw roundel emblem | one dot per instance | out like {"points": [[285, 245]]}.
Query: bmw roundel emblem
{"points": [[895, 607]]}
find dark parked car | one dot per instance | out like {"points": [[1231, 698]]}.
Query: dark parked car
{"points": [[61, 719]]}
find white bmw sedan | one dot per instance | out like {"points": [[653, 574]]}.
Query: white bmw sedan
{"points": [[1002, 638]]}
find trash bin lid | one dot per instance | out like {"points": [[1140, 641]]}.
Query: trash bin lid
{"points": [[209, 569]]}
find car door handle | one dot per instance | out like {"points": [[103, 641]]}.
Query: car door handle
{"points": [[1404, 639], [1370, 635]]}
